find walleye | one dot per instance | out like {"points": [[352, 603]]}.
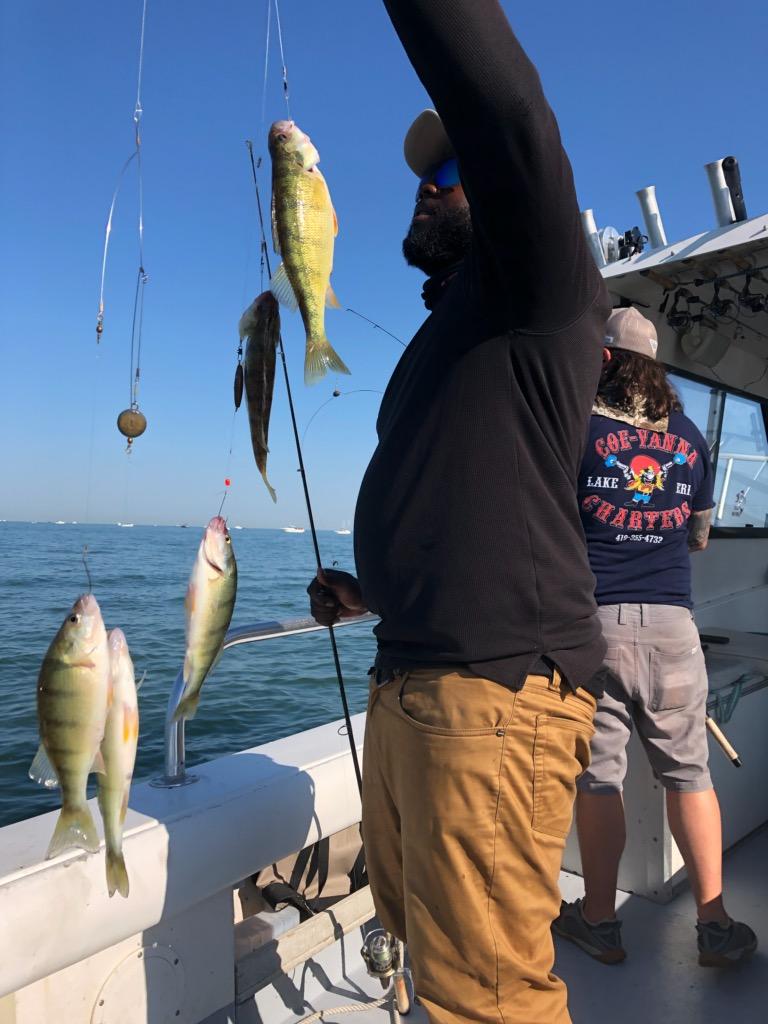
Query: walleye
{"points": [[118, 749], [72, 692], [209, 604], [260, 324], [304, 226]]}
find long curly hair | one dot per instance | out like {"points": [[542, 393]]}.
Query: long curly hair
{"points": [[634, 383]]}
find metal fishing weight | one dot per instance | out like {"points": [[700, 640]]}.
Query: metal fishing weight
{"points": [[131, 423]]}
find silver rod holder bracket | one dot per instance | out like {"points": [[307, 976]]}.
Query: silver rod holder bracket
{"points": [[652, 217], [721, 194], [590, 230]]}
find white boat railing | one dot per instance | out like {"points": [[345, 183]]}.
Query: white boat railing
{"points": [[175, 773]]}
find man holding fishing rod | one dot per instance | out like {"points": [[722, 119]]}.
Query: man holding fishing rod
{"points": [[468, 542]]}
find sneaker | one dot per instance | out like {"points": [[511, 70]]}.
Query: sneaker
{"points": [[722, 945], [602, 940]]}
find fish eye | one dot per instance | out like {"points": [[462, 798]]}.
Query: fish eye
{"points": [[282, 136], [74, 618], [228, 539]]}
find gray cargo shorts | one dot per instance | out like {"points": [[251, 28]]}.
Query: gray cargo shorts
{"points": [[655, 678]]}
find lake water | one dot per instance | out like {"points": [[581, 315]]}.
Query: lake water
{"points": [[257, 692]]}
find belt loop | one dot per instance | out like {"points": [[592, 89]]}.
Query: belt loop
{"points": [[622, 615], [645, 615], [556, 680]]}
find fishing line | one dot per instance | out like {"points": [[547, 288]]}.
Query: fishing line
{"points": [[135, 155], [377, 326], [305, 485], [266, 67], [282, 60], [87, 570], [337, 394]]}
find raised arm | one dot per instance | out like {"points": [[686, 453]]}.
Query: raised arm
{"points": [[515, 173]]}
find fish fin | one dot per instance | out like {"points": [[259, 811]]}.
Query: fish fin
{"points": [[320, 358], [187, 707], [330, 298], [282, 289], [74, 828], [187, 671], [117, 875], [141, 681], [42, 771], [98, 764], [275, 235], [335, 223], [270, 488]]}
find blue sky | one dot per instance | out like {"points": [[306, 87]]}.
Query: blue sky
{"points": [[645, 94]]}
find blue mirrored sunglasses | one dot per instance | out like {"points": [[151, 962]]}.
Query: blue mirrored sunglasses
{"points": [[445, 175]]}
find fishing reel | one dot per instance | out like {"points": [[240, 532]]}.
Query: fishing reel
{"points": [[384, 958], [632, 242]]}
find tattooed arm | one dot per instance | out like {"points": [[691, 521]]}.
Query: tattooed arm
{"points": [[698, 530]]}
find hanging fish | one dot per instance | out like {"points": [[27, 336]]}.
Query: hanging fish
{"points": [[304, 226], [118, 749], [260, 324], [72, 691], [209, 604]]}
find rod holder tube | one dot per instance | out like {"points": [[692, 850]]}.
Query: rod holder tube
{"points": [[590, 230], [174, 773], [721, 195], [732, 176], [652, 217]]}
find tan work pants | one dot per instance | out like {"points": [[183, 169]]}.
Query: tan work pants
{"points": [[467, 797]]}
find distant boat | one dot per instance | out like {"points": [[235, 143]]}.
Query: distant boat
{"points": [[59, 522], [125, 525], [293, 529], [237, 527], [343, 532]]}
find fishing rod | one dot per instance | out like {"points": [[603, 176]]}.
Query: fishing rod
{"points": [[304, 482]]}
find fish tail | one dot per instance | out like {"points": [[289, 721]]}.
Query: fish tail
{"points": [[75, 827], [270, 488], [117, 875], [320, 358], [187, 707]]}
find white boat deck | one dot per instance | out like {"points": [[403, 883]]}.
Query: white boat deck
{"points": [[660, 981]]}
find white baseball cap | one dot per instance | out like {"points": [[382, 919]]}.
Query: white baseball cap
{"points": [[628, 329], [426, 143]]}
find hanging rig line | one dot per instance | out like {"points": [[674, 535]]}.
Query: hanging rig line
{"points": [[131, 422], [377, 326], [305, 485], [337, 394], [282, 60]]}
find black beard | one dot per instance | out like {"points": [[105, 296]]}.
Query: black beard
{"points": [[439, 242]]}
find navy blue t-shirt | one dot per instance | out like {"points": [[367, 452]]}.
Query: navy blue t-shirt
{"points": [[637, 490]]}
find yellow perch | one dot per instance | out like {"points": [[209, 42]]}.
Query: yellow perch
{"points": [[304, 226], [118, 749], [209, 604], [260, 325], [72, 691]]}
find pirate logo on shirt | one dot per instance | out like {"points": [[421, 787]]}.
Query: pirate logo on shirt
{"points": [[644, 475]]}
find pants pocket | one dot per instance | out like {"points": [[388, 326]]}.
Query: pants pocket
{"points": [[674, 678], [560, 755]]}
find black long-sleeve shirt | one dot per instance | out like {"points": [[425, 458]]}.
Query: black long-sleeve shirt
{"points": [[468, 539]]}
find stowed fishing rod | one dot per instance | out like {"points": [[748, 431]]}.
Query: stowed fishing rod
{"points": [[304, 483]]}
